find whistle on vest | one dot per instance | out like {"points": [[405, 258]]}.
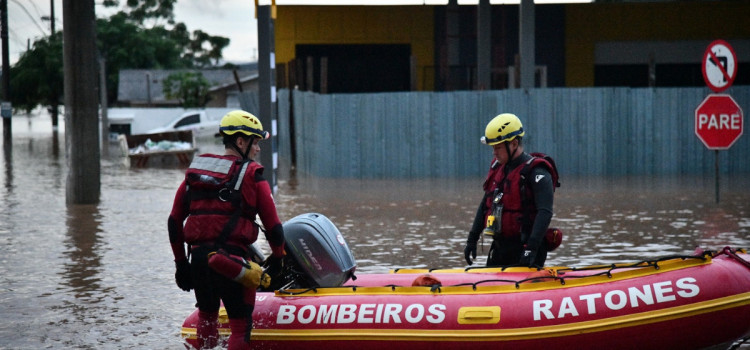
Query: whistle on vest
{"points": [[494, 220]]}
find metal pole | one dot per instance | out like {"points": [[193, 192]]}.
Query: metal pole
{"points": [[526, 43], [7, 126], [484, 44], [52, 17], [104, 105], [55, 107], [716, 169], [267, 93]]}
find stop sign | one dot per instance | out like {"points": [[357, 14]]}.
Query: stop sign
{"points": [[718, 121]]}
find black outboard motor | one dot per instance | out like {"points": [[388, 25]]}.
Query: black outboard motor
{"points": [[316, 254]]}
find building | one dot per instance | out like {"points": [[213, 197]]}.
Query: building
{"points": [[359, 48], [143, 87]]}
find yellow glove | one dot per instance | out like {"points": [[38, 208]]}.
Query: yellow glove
{"points": [[253, 277]]}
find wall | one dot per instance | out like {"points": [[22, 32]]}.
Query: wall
{"points": [[589, 131], [589, 24], [358, 25]]}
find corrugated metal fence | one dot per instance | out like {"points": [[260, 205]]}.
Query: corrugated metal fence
{"points": [[589, 131]]}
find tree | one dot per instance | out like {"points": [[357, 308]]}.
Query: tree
{"points": [[143, 35], [37, 77], [191, 88]]}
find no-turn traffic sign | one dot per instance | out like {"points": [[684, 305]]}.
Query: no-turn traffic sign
{"points": [[718, 121], [719, 66]]}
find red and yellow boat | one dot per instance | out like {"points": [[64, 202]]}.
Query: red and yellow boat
{"points": [[677, 302]]}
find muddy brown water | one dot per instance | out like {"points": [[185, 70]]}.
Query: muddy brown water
{"points": [[101, 276]]}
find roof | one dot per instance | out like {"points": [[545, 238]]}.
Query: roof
{"points": [[133, 85], [227, 85]]}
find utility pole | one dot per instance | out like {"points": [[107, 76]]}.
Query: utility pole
{"points": [[6, 73], [103, 103], [81, 102], [526, 43], [55, 107], [267, 89], [484, 45], [52, 17]]}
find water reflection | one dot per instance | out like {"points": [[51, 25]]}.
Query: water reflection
{"points": [[55, 144], [8, 162], [82, 250], [424, 223]]}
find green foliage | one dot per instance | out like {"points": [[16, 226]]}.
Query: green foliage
{"points": [[37, 77], [190, 88], [134, 37]]}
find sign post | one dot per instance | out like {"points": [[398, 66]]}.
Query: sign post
{"points": [[718, 124], [718, 119]]}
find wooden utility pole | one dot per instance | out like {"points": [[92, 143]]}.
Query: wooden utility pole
{"points": [[81, 102]]}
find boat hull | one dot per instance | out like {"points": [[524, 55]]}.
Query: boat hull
{"points": [[692, 303]]}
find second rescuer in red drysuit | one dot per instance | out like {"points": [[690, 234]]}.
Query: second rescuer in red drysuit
{"points": [[218, 202], [517, 206]]}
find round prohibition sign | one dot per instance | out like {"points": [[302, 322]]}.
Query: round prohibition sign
{"points": [[719, 66]]}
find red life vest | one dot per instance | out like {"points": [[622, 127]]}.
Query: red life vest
{"points": [[513, 199], [217, 187]]}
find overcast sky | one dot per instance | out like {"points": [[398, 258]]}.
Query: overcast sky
{"points": [[234, 19]]}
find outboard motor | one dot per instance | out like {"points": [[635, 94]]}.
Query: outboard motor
{"points": [[316, 254]]}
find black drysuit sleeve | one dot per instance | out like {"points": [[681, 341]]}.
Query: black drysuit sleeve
{"points": [[543, 189], [478, 226]]}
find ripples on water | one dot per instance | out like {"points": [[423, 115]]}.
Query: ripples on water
{"points": [[101, 276]]}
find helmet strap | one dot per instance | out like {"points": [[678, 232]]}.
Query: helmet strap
{"points": [[507, 150], [239, 151]]}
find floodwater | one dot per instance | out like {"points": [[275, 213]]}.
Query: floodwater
{"points": [[101, 276]]}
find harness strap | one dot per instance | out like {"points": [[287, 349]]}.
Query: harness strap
{"points": [[237, 204]]}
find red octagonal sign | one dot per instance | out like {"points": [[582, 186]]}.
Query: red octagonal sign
{"points": [[718, 121]]}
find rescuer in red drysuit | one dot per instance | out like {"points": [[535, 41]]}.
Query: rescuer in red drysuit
{"points": [[516, 210], [218, 202]]}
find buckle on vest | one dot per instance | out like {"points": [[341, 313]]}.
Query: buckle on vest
{"points": [[225, 194]]}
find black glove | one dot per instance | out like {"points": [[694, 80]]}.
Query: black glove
{"points": [[273, 266], [182, 276], [528, 258], [470, 251]]}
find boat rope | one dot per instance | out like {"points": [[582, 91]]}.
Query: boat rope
{"points": [[560, 273], [733, 254], [287, 292]]}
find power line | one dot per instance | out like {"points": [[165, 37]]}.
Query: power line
{"points": [[15, 38], [36, 8], [30, 16]]}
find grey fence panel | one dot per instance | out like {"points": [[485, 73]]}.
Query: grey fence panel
{"points": [[284, 127], [589, 131], [249, 102], [738, 156]]}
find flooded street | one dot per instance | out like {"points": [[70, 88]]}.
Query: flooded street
{"points": [[102, 276]]}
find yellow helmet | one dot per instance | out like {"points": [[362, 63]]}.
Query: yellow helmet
{"points": [[244, 122], [505, 127]]}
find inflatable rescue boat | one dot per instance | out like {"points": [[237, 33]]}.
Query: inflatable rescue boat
{"points": [[674, 302]]}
